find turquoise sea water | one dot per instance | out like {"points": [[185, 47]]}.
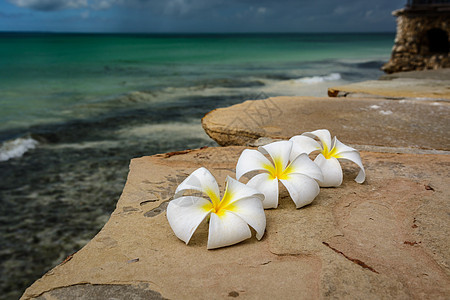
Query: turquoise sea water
{"points": [[48, 78], [75, 108]]}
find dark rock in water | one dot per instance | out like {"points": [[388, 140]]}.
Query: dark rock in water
{"points": [[370, 64], [230, 83], [280, 76]]}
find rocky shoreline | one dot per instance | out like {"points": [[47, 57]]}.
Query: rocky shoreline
{"points": [[415, 85], [385, 238]]}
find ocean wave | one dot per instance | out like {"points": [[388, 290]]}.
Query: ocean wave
{"points": [[319, 79], [16, 148]]}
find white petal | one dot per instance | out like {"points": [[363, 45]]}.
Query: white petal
{"points": [[303, 144], [302, 189], [340, 147], [279, 152], [185, 214], [331, 171], [267, 185], [251, 211], [323, 135], [251, 160], [200, 180], [228, 229], [304, 165], [237, 190], [356, 158]]}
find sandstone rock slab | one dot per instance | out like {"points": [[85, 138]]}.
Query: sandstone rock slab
{"points": [[429, 84], [387, 238], [375, 122], [439, 74]]}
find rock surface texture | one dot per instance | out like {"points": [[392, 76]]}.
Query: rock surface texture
{"points": [[425, 85], [384, 239], [366, 122]]}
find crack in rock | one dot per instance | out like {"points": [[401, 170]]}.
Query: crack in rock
{"points": [[355, 260]]}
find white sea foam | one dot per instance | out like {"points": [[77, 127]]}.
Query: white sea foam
{"points": [[86, 145], [386, 112], [16, 148], [319, 79]]}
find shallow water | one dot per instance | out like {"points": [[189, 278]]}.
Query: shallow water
{"points": [[74, 109]]}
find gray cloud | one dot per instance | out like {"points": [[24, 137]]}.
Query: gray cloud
{"points": [[184, 7], [229, 15], [50, 5]]}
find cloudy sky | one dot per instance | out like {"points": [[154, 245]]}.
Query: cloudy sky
{"points": [[199, 15]]}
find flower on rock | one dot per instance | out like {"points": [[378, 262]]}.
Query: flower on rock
{"points": [[230, 217], [330, 151], [298, 175]]}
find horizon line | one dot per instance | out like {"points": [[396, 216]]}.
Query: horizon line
{"points": [[195, 33]]}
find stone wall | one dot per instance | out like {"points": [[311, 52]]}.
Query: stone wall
{"points": [[412, 42]]}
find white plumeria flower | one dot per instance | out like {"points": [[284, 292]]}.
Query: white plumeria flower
{"points": [[229, 218], [330, 151], [299, 176]]}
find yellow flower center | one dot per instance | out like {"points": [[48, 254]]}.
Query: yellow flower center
{"points": [[277, 171], [329, 153], [220, 206]]}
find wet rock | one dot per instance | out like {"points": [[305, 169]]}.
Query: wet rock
{"points": [[381, 239]]}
